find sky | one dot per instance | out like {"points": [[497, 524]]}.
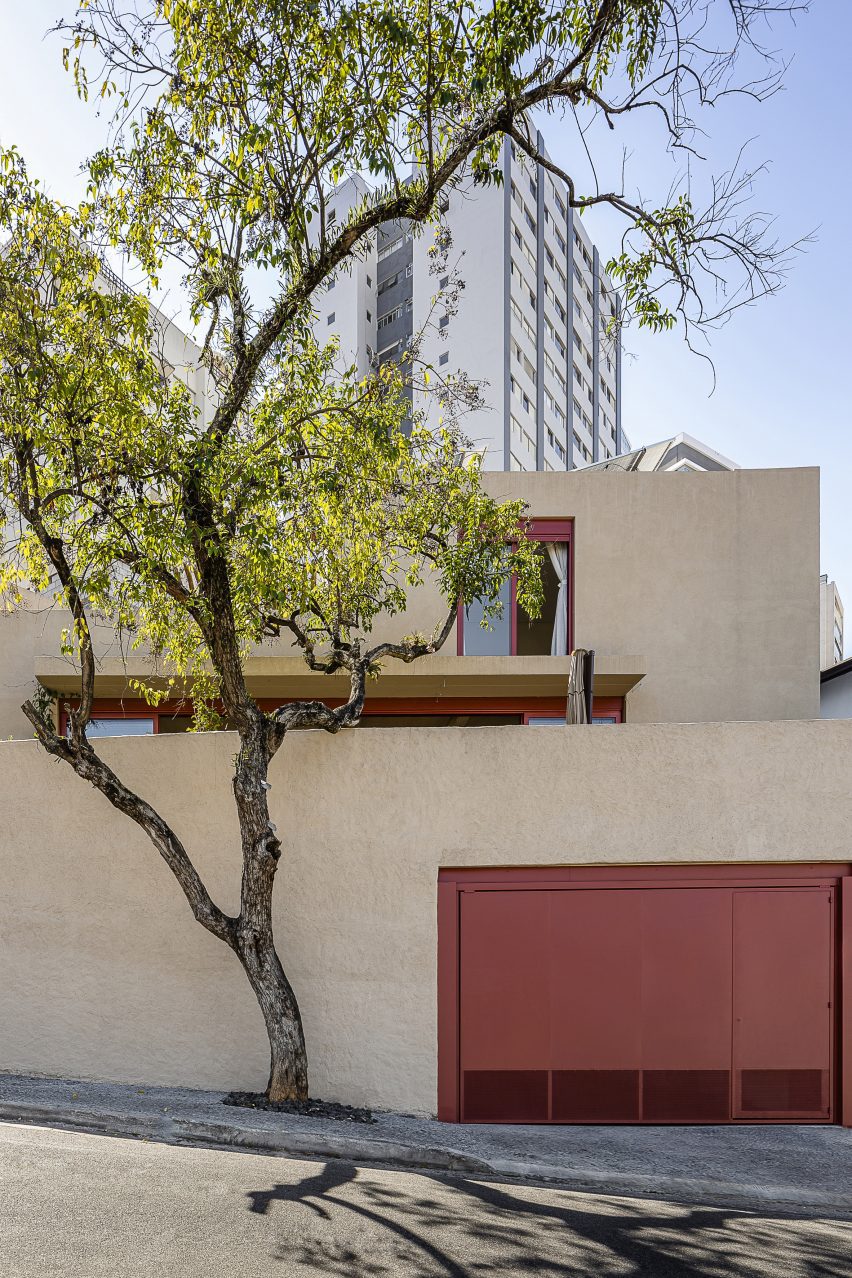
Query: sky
{"points": [[781, 397]]}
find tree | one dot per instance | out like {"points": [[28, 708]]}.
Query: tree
{"points": [[308, 505]]}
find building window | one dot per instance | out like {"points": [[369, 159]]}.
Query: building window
{"points": [[369, 317], [604, 710], [120, 728], [329, 319], [445, 358], [385, 320], [443, 321], [513, 633], [392, 246]]}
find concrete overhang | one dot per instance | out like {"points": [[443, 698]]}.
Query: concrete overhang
{"points": [[274, 675]]}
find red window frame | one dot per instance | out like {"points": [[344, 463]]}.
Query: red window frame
{"points": [[526, 707], [537, 530], [116, 708]]}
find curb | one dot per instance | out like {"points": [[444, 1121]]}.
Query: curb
{"points": [[175, 1130], [193, 1131], [86, 1120], [672, 1187]]}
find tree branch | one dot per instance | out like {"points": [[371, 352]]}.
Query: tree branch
{"points": [[408, 651]]}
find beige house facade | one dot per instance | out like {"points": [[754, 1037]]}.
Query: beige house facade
{"points": [[649, 923], [698, 593]]}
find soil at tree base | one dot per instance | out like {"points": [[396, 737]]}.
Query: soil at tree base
{"points": [[305, 1108]]}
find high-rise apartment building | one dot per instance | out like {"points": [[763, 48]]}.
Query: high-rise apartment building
{"points": [[536, 325]]}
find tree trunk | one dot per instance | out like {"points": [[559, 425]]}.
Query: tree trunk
{"points": [[288, 1069], [253, 933]]}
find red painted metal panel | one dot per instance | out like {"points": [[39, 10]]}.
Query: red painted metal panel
{"points": [[756, 873], [448, 1007], [596, 985], [595, 968], [505, 998], [783, 992], [686, 979], [845, 1007], [554, 949]]}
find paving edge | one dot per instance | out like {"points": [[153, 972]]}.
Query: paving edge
{"points": [[190, 1131], [679, 1187], [193, 1131]]}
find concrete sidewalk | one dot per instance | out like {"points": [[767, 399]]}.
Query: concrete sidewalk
{"points": [[792, 1166]]}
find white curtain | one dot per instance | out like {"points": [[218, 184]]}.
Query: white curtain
{"points": [[558, 551]]}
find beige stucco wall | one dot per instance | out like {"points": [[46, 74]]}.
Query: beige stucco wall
{"points": [[28, 635], [105, 973], [713, 577]]}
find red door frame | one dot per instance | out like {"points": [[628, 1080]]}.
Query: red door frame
{"points": [[453, 882], [537, 530]]}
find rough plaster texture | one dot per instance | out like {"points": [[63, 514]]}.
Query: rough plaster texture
{"points": [[107, 976], [712, 578]]}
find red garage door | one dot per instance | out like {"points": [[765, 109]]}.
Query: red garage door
{"points": [[674, 1003]]}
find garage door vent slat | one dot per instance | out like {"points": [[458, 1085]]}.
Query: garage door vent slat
{"points": [[506, 1095], [595, 1095], [680, 1095], [778, 1091]]}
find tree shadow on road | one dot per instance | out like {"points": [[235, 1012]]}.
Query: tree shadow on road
{"points": [[423, 1225]]}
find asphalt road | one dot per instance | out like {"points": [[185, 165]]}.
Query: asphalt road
{"points": [[79, 1206]]}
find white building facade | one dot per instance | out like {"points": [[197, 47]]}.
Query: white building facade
{"points": [[536, 325], [831, 638]]}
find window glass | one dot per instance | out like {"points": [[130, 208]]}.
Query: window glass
{"points": [[535, 637], [174, 722], [120, 728], [496, 642], [549, 721]]}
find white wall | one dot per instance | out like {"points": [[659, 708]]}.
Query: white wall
{"points": [[835, 700], [475, 335]]}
